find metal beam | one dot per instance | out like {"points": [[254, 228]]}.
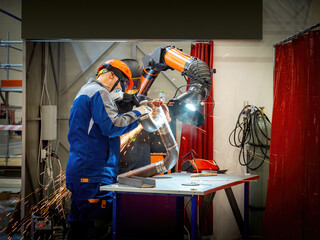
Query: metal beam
{"points": [[24, 145], [3, 98], [8, 45], [134, 50], [64, 146], [10, 42], [11, 107], [10, 65], [14, 69], [30, 61], [53, 68], [9, 14], [58, 98], [87, 68]]}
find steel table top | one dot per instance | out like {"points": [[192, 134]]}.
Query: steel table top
{"points": [[184, 184]]}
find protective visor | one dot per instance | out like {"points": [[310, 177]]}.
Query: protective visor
{"points": [[136, 85], [124, 81]]}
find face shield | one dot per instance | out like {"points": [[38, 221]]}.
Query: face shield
{"points": [[136, 85], [124, 81], [136, 73]]}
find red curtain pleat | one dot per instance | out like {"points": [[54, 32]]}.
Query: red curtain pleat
{"points": [[199, 139], [293, 200]]}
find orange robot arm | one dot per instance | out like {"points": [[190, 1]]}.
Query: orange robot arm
{"points": [[164, 58]]}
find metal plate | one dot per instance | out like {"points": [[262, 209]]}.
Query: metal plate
{"points": [[190, 184]]}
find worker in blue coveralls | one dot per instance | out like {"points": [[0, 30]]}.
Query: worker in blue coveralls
{"points": [[95, 127]]}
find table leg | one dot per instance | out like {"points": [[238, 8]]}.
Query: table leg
{"points": [[180, 217], [194, 217], [115, 203], [204, 209], [235, 209], [246, 210]]}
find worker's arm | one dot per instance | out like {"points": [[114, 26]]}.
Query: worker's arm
{"points": [[105, 114]]}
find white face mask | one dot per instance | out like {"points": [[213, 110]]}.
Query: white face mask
{"points": [[117, 94]]}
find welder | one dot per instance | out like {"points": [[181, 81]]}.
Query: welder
{"points": [[137, 153], [95, 127]]}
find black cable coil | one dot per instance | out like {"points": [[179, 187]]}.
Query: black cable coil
{"points": [[248, 132]]}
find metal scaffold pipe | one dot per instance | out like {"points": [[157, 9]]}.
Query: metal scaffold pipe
{"points": [[10, 42], [10, 65]]}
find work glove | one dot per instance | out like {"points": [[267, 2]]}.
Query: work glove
{"points": [[158, 103], [143, 110]]}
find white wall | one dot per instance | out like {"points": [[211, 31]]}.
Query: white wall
{"points": [[245, 73]]}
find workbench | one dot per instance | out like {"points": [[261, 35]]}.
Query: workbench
{"points": [[183, 185]]}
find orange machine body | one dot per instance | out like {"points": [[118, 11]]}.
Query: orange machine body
{"points": [[176, 59], [173, 58], [202, 164], [147, 79]]}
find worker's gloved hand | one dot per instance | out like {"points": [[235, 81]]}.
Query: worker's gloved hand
{"points": [[143, 110], [158, 103]]}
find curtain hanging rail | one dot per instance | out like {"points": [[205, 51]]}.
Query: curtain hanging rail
{"points": [[297, 34]]}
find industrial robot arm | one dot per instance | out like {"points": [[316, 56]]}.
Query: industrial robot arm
{"points": [[164, 58]]}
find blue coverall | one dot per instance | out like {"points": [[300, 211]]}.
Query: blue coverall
{"points": [[94, 134]]}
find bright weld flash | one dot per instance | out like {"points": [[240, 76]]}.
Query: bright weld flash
{"points": [[190, 107]]}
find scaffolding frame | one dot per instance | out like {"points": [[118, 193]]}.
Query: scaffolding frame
{"points": [[4, 94]]}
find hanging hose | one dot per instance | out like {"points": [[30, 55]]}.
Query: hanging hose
{"points": [[252, 130]]}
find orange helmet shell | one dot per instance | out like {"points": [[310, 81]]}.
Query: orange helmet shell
{"points": [[121, 66]]}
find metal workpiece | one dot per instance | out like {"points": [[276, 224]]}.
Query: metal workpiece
{"points": [[158, 122], [140, 182], [153, 121]]}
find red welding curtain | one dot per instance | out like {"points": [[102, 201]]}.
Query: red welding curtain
{"points": [[200, 139], [293, 200]]}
